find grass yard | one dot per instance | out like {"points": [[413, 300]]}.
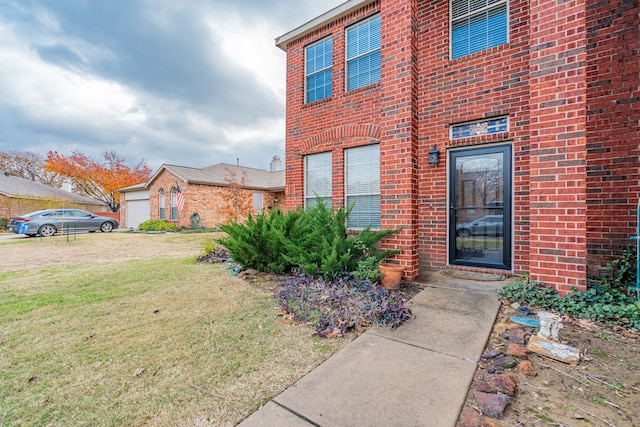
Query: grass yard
{"points": [[148, 339]]}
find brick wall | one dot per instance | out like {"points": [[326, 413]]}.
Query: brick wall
{"points": [[569, 82], [491, 83], [613, 131]]}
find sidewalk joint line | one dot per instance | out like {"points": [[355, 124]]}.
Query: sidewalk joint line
{"points": [[297, 414], [423, 348]]}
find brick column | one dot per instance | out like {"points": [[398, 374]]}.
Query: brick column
{"points": [[399, 129], [558, 143]]}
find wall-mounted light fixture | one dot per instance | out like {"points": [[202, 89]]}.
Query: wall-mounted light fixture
{"points": [[434, 156]]}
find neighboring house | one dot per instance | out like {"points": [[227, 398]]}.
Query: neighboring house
{"points": [[427, 115], [208, 192], [19, 196]]}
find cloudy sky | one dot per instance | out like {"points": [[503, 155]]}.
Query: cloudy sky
{"points": [[192, 83]]}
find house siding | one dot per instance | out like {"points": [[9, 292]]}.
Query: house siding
{"points": [[568, 80]]}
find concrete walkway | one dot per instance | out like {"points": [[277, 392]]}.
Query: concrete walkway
{"points": [[416, 375]]}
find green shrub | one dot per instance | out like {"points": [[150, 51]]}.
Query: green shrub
{"points": [[316, 241], [157, 225], [324, 246], [624, 270], [259, 242], [3, 223]]}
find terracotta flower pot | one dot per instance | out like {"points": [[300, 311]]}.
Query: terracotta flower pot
{"points": [[391, 276]]}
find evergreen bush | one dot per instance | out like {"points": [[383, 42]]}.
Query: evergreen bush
{"points": [[157, 225]]}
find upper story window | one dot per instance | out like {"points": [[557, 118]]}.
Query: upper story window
{"points": [[318, 78], [317, 179], [362, 188], [363, 53], [477, 25]]}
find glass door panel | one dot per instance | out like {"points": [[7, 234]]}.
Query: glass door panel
{"points": [[480, 207]]}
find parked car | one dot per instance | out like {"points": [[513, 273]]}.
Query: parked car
{"points": [[49, 222], [489, 225]]}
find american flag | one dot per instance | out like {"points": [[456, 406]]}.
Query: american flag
{"points": [[179, 197]]}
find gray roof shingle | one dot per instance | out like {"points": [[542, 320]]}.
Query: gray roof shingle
{"points": [[257, 179], [14, 186]]}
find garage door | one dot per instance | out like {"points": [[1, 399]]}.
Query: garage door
{"points": [[137, 212]]}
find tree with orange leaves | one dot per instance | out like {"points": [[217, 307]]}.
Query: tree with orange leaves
{"points": [[237, 202], [98, 180]]}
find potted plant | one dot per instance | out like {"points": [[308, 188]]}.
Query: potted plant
{"points": [[391, 275]]}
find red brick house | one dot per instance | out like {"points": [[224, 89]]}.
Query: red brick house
{"points": [[532, 107], [205, 192]]}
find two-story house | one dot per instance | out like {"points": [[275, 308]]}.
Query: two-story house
{"points": [[501, 135]]}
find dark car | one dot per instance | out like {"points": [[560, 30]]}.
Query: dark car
{"points": [[489, 225], [49, 222]]}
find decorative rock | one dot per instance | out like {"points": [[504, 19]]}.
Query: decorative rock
{"points": [[554, 350], [484, 387], [526, 368], [514, 327], [503, 384], [492, 405], [505, 362], [514, 335], [517, 350], [491, 369], [493, 353], [471, 418]]}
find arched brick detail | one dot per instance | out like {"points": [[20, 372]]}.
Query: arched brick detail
{"points": [[328, 137]]}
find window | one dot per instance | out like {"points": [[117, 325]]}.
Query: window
{"points": [[362, 189], [174, 204], [161, 204], [477, 25], [363, 54], [478, 128], [257, 201], [317, 179], [318, 79]]}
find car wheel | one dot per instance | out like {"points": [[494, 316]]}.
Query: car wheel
{"points": [[47, 230], [106, 227], [464, 233]]}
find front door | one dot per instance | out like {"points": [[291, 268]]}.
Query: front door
{"points": [[480, 207]]}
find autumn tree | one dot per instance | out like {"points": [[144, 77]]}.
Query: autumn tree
{"points": [[28, 165], [237, 201], [99, 180]]}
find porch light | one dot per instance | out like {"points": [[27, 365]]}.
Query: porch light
{"points": [[434, 156]]}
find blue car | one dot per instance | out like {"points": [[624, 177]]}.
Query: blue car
{"points": [[50, 222]]}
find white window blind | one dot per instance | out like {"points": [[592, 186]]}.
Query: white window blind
{"points": [[318, 61], [161, 204], [362, 186], [317, 179], [257, 201], [174, 204], [363, 53], [477, 25]]}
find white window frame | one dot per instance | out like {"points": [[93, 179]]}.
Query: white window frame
{"points": [[174, 204], [374, 187], [348, 60], [258, 201], [490, 4], [162, 211], [307, 74], [310, 197]]}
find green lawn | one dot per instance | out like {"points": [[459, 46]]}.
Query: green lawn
{"points": [[157, 341]]}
